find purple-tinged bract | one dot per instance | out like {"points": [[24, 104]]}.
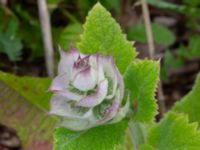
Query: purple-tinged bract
{"points": [[88, 91]]}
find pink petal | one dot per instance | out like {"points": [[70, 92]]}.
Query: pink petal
{"points": [[122, 111], [119, 79], [112, 111], [59, 86], [112, 72], [85, 80], [67, 61], [60, 82], [97, 97]]}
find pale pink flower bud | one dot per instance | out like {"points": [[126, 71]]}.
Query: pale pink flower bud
{"points": [[88, 91]]}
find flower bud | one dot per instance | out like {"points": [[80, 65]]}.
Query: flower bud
{"points": [[88, 91]]}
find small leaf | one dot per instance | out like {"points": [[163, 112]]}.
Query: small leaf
{"points": [[141, 79], [170, 63], [174, 132], [138, 33], [70, 35], [106, 137], [193, 49], [103, 35], [174, 7], [23, 106], [9, 43], [190, 104]]}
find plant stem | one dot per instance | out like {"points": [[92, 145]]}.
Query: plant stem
{"points": [[47, 37], [147, 22], [138, 134]]}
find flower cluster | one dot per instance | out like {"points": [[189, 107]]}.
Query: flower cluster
{"points": [[88, 91]]}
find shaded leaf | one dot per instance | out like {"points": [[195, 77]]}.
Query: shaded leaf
{"points": [[23, 106], [138, 33], [9, 43], [162, 4], [193, 49]]}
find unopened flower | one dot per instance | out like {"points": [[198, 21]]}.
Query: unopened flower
{"points": [[88, 91]]}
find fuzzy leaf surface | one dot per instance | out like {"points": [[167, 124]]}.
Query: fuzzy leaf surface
{"points": [[107, 137], [190, 104], [141, 80], [23, 107], [174, 132], [103, 35]]}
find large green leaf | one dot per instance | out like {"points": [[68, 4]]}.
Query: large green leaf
{"points": [[173, 132], [23, 106], [141, 80], [190, 104], [107, 137], [103, 35]]}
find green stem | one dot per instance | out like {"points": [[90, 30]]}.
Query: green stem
{"points": [[137, 134], [69, 16]]}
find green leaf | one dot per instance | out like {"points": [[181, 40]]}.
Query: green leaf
{"points": [[165, 36], [146, 147], [193, 49], [190, 104], [107, 137], [9, 43], [103, 35], [192, 3], [174, 132], [70, 35], [170, 62], [23, 106], [141, 80], [163, 4]]}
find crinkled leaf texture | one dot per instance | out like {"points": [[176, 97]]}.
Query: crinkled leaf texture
{"points": [[190, 104], [23, 106], [107, 137], [141, 80], [173, 132], [103, 35]]}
